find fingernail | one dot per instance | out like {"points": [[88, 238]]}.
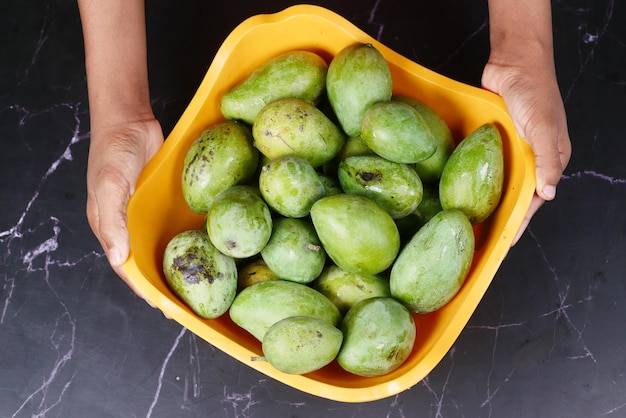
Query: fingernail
{"points": [[549, 191], [115, 256]]}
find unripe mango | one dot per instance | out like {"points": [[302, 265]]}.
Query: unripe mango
{"points": [[301, 344], [290, 186], [357, 234], [358, 76], [204, 278], [300, 74], [472, 179], [397, 132], [221, 157], [239, 222], [430, 169], [379, 334], [433, 265], [258, 307], [294, 127], [396, 187], [252, 272], [294, 252], [331, 184], [345, 289]]}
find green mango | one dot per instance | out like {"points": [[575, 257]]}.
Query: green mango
{"points": [[261, 305], [252, 272], [331, 184], [430, 169], [222, 156], [396, 131], [200, 275], [294, 252], [358, 76], [357, 234], [239, 222], [294, 127], [300, 74], [290, 186], [433, 265], [379, 334], [430, 204], [301, 344], [472, 179], [355, 145], [345, 289], [396, 187], [428, 207]]}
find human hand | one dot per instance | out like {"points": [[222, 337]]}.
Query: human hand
{"points": [[534, 102], [117, 155]]}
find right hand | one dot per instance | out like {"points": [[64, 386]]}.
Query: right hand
{"points": [[117, 155]]}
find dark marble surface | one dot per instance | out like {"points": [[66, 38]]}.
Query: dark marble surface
{"points": [[547, 340]]}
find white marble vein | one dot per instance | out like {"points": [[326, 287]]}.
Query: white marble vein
{"points": [[372, 20], [594, 175], [589, 39], [40, 263], [162, 372], [43, 262], [44, 34], [242, 403], [565, 304]]}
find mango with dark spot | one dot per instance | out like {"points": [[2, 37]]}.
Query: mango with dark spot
{"points": [[221, 157], [396, 187], [200, 275]]}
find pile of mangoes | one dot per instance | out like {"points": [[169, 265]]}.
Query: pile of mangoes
{"points": [[335, 210]]}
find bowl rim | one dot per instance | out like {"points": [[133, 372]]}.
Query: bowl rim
{"points": [[380, 388]]}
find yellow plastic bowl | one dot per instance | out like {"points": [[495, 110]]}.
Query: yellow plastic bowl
{"points": [[157, 210]]}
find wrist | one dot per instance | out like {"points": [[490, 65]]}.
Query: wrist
{"points": [[522, 52], [113, 109], [520, 33]]}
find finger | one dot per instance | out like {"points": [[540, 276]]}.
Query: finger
{"points": [[535, 204]]}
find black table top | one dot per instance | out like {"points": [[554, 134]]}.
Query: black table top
{"points": [[547, 340]]}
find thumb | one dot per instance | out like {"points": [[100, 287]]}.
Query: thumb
{"points": [[552, 149], [111, 198], [107, 216]]}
